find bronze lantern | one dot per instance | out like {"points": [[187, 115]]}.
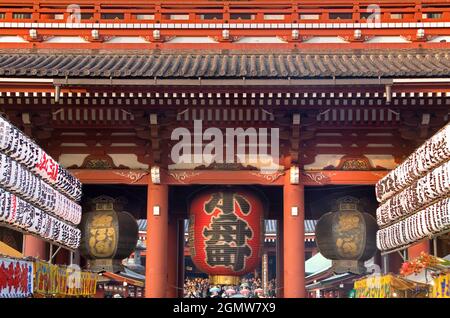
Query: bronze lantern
{"points": [[347, 236], [108, 234]]}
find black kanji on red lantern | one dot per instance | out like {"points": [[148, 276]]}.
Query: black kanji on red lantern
{"points": [[227, 233]]}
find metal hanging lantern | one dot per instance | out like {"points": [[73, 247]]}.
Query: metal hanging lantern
{"points": [[225, 233], [109, 234], [347, 236]]}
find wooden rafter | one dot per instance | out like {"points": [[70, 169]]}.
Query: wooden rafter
{"points": [[190, 177]]}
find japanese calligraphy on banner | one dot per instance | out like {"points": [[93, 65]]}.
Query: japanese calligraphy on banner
{"points": [[422, 224], [16, 278], [41, 277], [226, 229], [434, 152], [389, 286], [25, 217], [68, 281], [15, 178], [414, 197], [19, 147], [37, 195], [373, 287], [441, 287]]}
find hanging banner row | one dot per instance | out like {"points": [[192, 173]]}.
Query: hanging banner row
{"points": [[20, 279]]}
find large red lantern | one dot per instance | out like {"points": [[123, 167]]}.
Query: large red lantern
{"points": [[225, 233]]}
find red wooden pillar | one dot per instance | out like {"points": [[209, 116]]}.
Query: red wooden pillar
{"points": [[157, 234], [294, 239], [35, 247], [180, 258], [415, 250], [172, 257]]}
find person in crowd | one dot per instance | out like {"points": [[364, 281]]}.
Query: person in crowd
{"points": [[198, 287]]}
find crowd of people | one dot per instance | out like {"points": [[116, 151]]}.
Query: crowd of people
{"points": [[248, 288]]}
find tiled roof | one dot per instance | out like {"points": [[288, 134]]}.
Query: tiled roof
{"points": [[330, 280], [317, 264], [271, 226], [310, 226], [402, 63]]}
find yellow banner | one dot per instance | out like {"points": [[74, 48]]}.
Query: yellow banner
{"points": [[373, 287], [441, 287], [63, 281]]}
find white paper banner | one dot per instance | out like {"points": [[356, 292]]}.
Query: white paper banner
{"points": [[22, 215], [432, 220], [427, 189], [430, 155], [15, 178], [18, 146], [16, 278]]}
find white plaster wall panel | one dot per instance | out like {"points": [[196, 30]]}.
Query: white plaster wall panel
{"points": [[129, 160], [67, 160]]}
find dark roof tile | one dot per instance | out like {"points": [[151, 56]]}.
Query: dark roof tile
{"points": [[302, 65]]}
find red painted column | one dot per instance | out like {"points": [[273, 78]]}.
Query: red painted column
{"points": [[35, 247], [172, 257], [181, 258], [415, 250], [294, 239], [157, 234]]}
